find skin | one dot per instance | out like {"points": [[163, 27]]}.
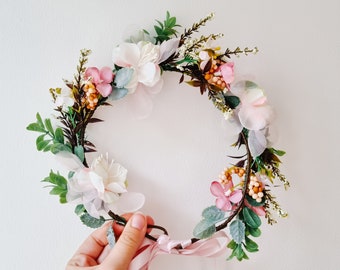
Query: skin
{"points": [[95, 254]]}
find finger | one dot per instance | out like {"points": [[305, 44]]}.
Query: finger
{"points": [[118, 229], [127, 244], [92, 247]]}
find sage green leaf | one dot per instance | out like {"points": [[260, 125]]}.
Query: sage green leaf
{"points": [[123, 77], [80, 209], [251, 85], [92, 222], [35, 127], [251, 218], [111, 239], [40, 138], [79, 152], [59, 135], [237, 230], [204, 229], [49, 126], [256, 232], [213, 214], [118, 93], [250, 245]]}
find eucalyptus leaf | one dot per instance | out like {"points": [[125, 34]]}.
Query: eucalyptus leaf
{"points": [[118, 93], [251, 218], [92, 222], [111, 239], [123, 77], [213, 214], [204, 229], [237, 230]]}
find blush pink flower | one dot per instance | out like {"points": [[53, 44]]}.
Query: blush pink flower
{"points": [[227, 71], [101, 79], [226, 195]]}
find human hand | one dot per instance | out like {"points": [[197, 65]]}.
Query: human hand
{"points": [[95, 253]]}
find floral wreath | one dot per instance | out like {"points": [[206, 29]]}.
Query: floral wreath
{"points": [[242, 191]]}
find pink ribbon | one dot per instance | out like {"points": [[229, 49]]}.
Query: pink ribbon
{"points": [[211, 247]]}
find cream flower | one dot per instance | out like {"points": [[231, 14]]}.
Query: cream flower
{"points": [[143, 59], [64, 99], [101, 187]]}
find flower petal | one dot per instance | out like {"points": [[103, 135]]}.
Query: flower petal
{"points": [[149, 74], [227, 71], [104, 89], [216, 189], [130, 202], [92, 72], [69, 160], [167, 48], [106, 75], [257, 142], [126, 55], [235, 196]]}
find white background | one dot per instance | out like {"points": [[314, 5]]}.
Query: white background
{"points": [[174, 154]]}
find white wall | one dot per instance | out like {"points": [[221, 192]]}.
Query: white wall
{"points": [[182, 146]]}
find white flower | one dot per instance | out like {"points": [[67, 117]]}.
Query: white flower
{"points": [[101, 187], [142, 58], [64, 99]]}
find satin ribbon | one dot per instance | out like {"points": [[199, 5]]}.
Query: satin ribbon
{"points": [[211, 247]]}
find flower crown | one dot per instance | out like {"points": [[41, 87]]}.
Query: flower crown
{"points": [[243, 191]]}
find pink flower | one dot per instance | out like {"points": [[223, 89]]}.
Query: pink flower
{"points": [[101, 79], [226, 195], [227, 71]]}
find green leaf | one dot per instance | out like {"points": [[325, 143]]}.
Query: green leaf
{"points": [[232, 101], [80, 209], [57, 190], [237, 230], [232, 244], [59, 135], [251, 218], [111, 237], [123, 77], [40, 121], [42, 144], [49, 126], [35, 127], [213, 214], [204, 229], [58, 147], [56, 179], [92, 222], [254, 232], [280, 153], [79, 152], [250, 245]]}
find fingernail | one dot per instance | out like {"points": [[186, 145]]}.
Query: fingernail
{"points": [[138, 221]]}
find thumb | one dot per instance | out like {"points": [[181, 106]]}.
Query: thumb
{"points": [[127, 244]]}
